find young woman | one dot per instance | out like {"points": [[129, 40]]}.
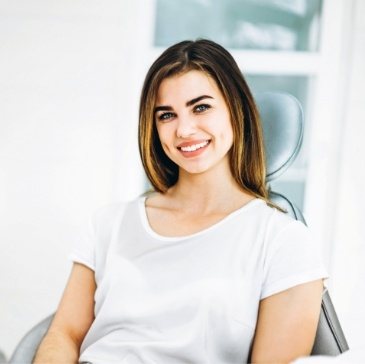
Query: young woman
{"points": [[204, 269]]}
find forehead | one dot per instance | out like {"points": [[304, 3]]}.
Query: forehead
{"points": [[186, 86]]}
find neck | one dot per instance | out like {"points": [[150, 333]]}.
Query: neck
{"points": [[207, 192]]}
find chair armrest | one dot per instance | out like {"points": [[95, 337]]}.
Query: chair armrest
{"points": [[330, 339], [26, 349]]}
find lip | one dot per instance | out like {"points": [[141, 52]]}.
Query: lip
{"points": [[192, 142], [196, 152]]}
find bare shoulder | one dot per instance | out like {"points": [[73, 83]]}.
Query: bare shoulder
{"points": [[157, 200]]}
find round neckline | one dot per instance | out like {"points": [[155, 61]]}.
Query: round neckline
{"points": [[147, 226]]}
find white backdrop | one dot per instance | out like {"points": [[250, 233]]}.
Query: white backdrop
{"points": [[348, 234], [68, 132]]}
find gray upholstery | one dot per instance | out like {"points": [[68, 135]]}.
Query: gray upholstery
{"points": [[2, 358], [25, 351], [282, 120], [330, 339], [287, 206]]}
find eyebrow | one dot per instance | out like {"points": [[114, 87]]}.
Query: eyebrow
{"points": [[188, 103], [197, 99]]}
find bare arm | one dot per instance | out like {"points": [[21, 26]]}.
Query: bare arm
{"points": [[287, 324], [73, 319]]}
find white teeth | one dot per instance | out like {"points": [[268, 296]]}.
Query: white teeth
{"points": [[192, 148]]}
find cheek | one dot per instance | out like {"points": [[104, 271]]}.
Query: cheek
{"points": [[161, 134], [165, 136], [230, 135], [226, 132], [229, 129], [227, 139]]}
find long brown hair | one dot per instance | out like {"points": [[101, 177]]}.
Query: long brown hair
{"points": [[247, 159]]}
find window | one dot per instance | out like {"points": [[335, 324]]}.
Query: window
{"points": [[275, 43]]}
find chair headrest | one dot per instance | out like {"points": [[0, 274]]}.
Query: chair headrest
{"points": [[282, 122]]}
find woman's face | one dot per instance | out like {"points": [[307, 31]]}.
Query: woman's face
{"points": [[193, 122]]}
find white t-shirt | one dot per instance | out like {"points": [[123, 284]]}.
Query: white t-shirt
{"points": [[190, 299]]}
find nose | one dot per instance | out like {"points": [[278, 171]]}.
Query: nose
{"points": [[186, 126]]}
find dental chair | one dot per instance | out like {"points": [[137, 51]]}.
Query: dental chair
{"points": [[282, 120]]}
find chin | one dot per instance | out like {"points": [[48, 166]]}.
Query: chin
{"points": [[195, 170]]}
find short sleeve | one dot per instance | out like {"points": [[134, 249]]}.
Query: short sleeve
{"points": [[83, 250], [293, 257], [92, 242]]}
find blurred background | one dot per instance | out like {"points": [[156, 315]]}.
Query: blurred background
{"points": [[70, 76]]}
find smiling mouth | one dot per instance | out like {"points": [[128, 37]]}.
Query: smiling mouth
{"points": [[194, 147]]}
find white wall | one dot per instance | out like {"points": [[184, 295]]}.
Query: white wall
{"points": [[68, 122], [348, 262]]}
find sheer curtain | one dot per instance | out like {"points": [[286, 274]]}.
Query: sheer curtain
{"points": [[348, 262]]}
